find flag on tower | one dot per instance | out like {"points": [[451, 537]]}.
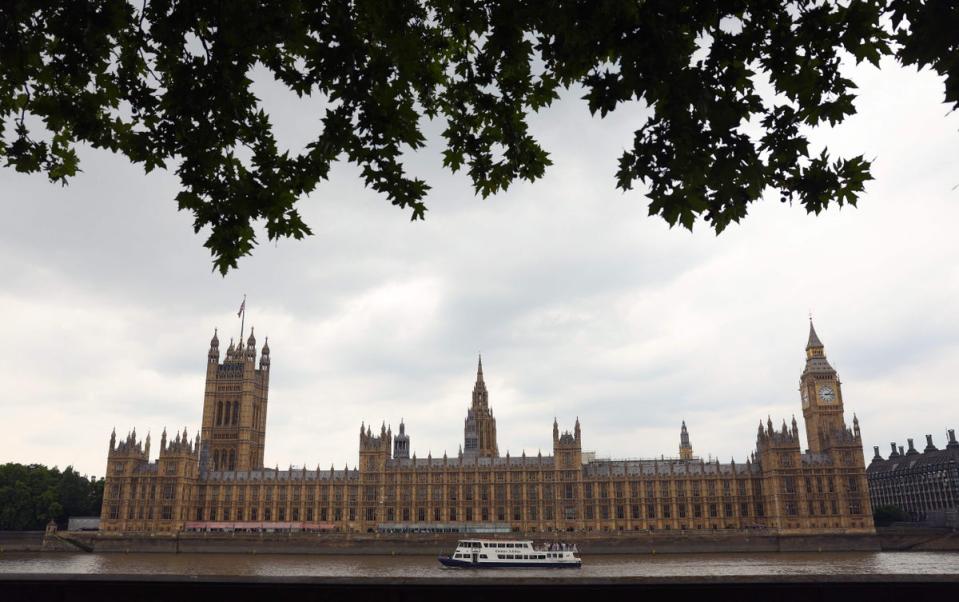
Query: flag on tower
{"points": [[242, 307]]}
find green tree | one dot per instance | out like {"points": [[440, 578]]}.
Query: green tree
{"points": [[166, 83], [32, 495], [884, 516]]}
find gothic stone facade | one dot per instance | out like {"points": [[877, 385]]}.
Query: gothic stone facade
{"points": [[218, 480]]}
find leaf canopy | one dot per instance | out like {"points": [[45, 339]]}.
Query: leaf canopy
{"points": [[733, 88]]}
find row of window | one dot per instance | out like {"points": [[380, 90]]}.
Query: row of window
{"points": [[516, 514], [227, 414], [166, 512], [224, 459], [792, 507], [453, 492]]}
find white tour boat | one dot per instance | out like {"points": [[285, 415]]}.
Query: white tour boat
{"points": [[501, 553]]}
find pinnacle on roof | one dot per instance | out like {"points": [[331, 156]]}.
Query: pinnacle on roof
{"points": [[479, 369], [813, 337]]}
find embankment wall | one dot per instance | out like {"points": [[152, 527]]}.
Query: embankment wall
{"points": [[21, 541], [437, 544], [898, 539]]}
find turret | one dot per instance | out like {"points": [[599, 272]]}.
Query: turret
{"points": [[567, 448], [401, 444], [685, 448], [265, 355], [213, 356], [130, 448]]}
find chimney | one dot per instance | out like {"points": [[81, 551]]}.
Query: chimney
{"points": [[894, 453], [902, 452], [929, 446], [952, 444], [876, 457], [912, 449]]}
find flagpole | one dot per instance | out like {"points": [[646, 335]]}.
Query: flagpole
{"points": [[242, 319]]}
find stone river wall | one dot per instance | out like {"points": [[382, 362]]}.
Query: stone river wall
{"points": [[21, 541], [417, 544], [420, 544]]}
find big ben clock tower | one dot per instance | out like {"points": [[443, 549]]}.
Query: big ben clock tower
{"points": [[821, 394]]}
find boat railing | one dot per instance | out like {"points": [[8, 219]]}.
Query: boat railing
{"points": [[559, 547]]}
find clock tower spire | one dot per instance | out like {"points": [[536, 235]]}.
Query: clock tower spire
{"points": [[821, 393]]}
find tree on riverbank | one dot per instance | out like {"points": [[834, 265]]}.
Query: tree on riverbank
{"points": [[31, 495], [886, 515]]}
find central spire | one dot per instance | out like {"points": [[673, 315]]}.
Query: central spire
{"points": [[480, 426], [685, 449], [480, 395]]}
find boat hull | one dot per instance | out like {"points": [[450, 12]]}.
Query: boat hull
{"points": [[519, 564]]}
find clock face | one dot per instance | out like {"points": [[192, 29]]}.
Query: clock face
{"points": [[805, 398], [826, 394]]}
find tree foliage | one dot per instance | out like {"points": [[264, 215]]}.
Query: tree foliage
{"points": [[884, 516], [31, 495], [733, 88]]}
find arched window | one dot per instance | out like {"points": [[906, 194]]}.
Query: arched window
{"points": [[236, 412], [232, 460], [216, 460], [219, 413]]}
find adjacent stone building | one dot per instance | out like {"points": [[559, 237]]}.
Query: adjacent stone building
{"points": [[924, 485], [218, 480]]}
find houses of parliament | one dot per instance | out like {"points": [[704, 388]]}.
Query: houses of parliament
{"points": [[217, 480]]}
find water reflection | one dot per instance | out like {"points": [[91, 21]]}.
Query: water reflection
{"points": [[662, 565]]}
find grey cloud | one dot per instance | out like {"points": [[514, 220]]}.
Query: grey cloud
{"points": [[580, 303]]}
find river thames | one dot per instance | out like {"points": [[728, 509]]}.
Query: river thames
{"points": [[598, 566]]}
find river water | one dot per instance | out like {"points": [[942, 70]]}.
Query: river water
{"points": [[660, 565]]}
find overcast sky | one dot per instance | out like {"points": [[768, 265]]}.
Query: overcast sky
{"points": [[580, 303]]}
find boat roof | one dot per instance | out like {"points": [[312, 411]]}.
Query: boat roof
{"points": [[480, 539]]}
